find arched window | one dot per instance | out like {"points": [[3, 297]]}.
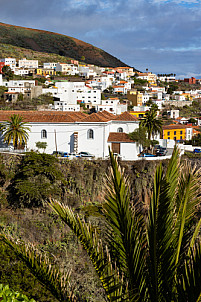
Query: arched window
{"points": [[90, 134], [43, 134], [120, 129]]}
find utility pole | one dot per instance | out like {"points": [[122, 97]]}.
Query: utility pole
{"points": [[55, 135]]}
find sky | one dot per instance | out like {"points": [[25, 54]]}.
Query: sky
{"points": [[161, 35]]}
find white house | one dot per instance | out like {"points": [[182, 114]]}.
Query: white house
{"points": [[28, 63], [10, 62], [112, 105], [66, 68], [76, 131], [86, 71], [21, 71], [69, 93], [49, 65]]}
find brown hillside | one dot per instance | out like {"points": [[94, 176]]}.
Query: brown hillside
{"points": [[49, 42]]}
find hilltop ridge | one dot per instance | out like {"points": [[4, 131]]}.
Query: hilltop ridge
{"points": [[55, 43]]}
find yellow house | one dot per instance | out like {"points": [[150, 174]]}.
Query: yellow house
{"points": [[138, 114], [175, 132], [135, 97], [45, 71]]}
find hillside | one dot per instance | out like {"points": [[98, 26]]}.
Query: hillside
{"points": [[49, 42]]}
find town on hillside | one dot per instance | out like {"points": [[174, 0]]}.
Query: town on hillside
{"points": [[74, 109]]}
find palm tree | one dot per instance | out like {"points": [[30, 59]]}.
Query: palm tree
{"points": [[151, 122], [15, 130], [154, 257]]}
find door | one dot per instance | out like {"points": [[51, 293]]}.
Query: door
{"points": [[116, 148]]}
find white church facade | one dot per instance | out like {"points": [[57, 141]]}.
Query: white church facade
{"points": [[77, 132]]}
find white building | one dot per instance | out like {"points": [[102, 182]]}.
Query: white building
{"points": [[70, 93], [112, 105], [9, 62], [76, 132], [86, 71], [174, 114], [28, 63], [18, 85], [50, 65], [21, 71], [69, 69]]}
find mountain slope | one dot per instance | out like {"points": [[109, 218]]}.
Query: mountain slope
{"points": [[49, 42]]}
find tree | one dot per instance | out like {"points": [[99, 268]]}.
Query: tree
{"points": [[139, 135], [41, 145], [151, 123], [20, 97], [6, 70], [82, 58], [37, 180], [154, 257], [15, 130]]}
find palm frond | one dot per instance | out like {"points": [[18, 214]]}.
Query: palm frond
{"points": [[160, 229], [125, 230], [187, 229], [39, 265], [189, 285], [109, 276]]}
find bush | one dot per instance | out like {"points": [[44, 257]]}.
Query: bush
{"points": [[38, 179], [7, 294]]}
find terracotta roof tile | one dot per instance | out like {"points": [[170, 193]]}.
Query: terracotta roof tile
{"points": [[65, 117], [119, 137], [177, 126], [44, 116], [106, 114], [126, 116], [94, 117]]}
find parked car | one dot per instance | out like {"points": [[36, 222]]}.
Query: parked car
{"points": [[66, 154], [73, 155], [162, 151], [147, 155], [196, 150], [86, 154]]}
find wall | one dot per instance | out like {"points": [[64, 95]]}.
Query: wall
{"points": [[129, 151]]}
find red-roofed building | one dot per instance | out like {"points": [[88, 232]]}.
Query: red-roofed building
{"points": [[76, 131]]}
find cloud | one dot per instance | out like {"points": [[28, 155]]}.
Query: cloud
{"points": [[163, 35]]}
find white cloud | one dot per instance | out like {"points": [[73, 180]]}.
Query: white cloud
{"points": [[159, 34]]}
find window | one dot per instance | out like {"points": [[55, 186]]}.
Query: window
{"points": [[90, 134], [43, 134], [168, 137], [175, 138], [120, 129], [168, 133], [180, 137], [181, 132], [174, 132]]}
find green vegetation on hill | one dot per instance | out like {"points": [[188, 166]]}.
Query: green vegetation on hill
{"points": [[49, 42], [8, 50]]}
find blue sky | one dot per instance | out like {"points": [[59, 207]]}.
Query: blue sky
{"points": [[161, 35]]}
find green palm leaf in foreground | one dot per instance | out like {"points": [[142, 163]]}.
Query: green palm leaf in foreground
{"points": [[56, 282], [154, 257]]}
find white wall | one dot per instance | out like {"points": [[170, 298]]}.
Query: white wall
{"points": [[127, 126], [129, 151], [97, 146]]}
